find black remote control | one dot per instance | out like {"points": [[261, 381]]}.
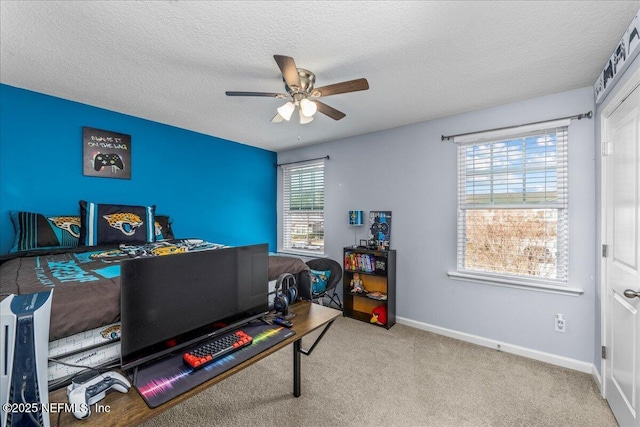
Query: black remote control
{"points": [[282, 322]]}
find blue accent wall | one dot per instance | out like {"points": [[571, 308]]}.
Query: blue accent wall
{"points": [[212, 188]]}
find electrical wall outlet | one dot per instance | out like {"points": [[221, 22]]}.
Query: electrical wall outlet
{"points": [[561, 323]]}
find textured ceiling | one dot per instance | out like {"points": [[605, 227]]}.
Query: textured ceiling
{"points": [[172, 61]]}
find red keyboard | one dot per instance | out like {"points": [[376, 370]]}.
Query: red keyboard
{"points": [[212, 350]]}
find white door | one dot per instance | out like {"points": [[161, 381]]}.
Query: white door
{"points": [[622, 265]]}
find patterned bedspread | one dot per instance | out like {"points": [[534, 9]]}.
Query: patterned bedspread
{"points": [[168, 247], [86, 280]]}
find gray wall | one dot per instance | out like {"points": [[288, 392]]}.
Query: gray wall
{"points": [[620, 81], [411, 172]]}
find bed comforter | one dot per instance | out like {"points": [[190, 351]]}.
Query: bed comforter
{"points": [[86, 281]]}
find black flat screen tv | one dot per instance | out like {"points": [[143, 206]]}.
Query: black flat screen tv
{"points": [[171, 301]]}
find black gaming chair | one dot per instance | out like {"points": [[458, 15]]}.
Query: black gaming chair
{"points": [[322, 264]]}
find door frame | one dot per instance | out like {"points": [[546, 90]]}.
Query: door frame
{"points": [[608, 108]]}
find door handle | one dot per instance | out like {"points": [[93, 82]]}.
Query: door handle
{"points": [[631, 294]]}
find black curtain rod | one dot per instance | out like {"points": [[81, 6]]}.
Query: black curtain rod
{"points": [[578, 116], [302, 161]]}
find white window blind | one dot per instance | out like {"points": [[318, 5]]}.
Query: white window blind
{"points": [[303, 207], [513, 203]]}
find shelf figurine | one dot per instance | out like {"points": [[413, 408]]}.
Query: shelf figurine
{"points": [[356, 285]]}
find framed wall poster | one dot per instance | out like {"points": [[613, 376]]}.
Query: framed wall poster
{"points": [[380, 229], [106, 154]]}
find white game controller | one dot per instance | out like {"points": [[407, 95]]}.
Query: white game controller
{"points": [[84, 394]]}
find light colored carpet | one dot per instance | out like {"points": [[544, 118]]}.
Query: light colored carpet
{"points": [[363, 375]]}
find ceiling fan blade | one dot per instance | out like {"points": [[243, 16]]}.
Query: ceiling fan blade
{"points": [[267, 94], [344, 87], [289, 71], [329, 111]]}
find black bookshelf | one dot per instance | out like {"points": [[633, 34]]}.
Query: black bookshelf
{"points": [[377, 270]]}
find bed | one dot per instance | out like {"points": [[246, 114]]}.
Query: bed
{"points": [[86, 279]]}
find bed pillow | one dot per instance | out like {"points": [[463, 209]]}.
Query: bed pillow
{"points": [[103, 224], [38, 231], [163, 229], [319, 280]]}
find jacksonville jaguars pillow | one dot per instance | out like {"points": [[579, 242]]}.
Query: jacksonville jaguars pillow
{"points": [[103, 224], [163, 228], [38, 231]]}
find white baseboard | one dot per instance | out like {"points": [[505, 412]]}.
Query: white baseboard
{"points": [[596, 377], [554, 359]]}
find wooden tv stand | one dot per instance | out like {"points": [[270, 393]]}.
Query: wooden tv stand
{"points": [[129, 409]]}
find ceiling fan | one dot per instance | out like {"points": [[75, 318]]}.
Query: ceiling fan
{"points": [[299, 86]]}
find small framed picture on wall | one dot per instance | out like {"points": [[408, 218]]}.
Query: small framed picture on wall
{"points": [[380, 230], [106, 154]]}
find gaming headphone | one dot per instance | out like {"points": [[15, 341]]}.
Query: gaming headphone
{"points": [[286, 293]]}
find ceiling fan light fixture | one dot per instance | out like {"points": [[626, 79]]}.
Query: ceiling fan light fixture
{"points": [[308, 108], [286, 110], [299, 86], [304, 119]]}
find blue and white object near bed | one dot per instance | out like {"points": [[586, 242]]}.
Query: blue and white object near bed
{"points": [[95, 348]]}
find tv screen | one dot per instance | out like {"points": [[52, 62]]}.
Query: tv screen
{"points": [[169, 302]]}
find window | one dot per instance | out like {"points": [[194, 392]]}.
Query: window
{"points": [[303, 207], [513, 203]]}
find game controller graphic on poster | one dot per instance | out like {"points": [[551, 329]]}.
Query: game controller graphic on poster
{"points": [[106, 154], [380, 230]]}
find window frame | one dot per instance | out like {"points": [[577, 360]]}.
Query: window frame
{"points": [[297, 168], [491, 138]]}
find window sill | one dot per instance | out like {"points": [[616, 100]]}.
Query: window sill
{"points": [[515, 283], [306, 254]]}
